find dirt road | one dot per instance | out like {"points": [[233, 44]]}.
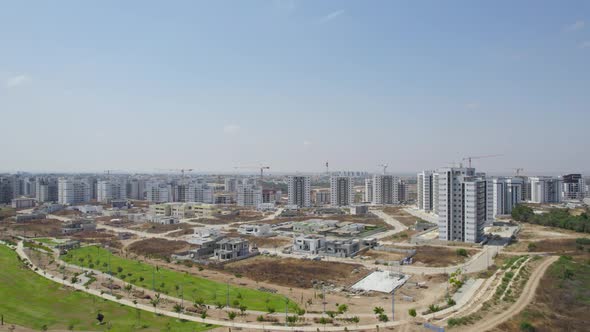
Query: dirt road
{"points": [[528, 293]]}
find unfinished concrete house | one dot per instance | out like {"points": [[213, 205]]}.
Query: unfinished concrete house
{"points": [[231, 248], [342, 248], [309, 244]]}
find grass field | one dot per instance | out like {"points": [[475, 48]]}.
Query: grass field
{"points": [[170, 282], [32, 301]]}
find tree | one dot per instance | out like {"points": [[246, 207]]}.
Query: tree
{"points": [[155, 301], [378, 310], [231, 315], [100, 318], [178, 309], [342, 309], [243, 309], [383, 318], [451, 302], [204, 315], [412, 312], [128, 288], [462, 252]]}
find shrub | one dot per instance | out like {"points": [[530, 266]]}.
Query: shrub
{"points": [[462, 252], [412, 312]]}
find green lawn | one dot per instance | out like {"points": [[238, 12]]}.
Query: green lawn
{"points": [[29, 300], [45, 240], [166, 281]]}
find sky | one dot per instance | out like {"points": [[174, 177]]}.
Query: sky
{"points": [[211, 85]]}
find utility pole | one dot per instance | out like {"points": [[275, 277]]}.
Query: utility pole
{"points": [[286, 311], [324, 298], [153, 278], [392, 305], [227, 297]]}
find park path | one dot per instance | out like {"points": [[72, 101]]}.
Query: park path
{"points": [[20, 251]]}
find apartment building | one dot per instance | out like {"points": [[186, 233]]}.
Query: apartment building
{"points": [[111, 189], [158, 192], [573, 187], [249, 195], [427, 187], [368, 193], [299, 188], [46, 189], [385, 190], [464, 204], [545, 189], [74, 191], [341, 193], [507, 193]]}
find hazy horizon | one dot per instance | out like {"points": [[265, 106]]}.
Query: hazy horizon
{"points": [[139, 86]]}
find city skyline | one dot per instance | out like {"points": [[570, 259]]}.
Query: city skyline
{"points": [[292, 84]]}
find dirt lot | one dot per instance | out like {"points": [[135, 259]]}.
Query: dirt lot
{"points": [[36, 228], [537, 232], [398, 213], [158, 228], [440, 256], [158, 248], [293, 272], [384, 255]]}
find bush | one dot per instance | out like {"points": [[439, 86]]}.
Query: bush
{"points": [[532, 246], [462, 252], [412, 312], [527, 327]]}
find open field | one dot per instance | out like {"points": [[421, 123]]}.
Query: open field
{"points": [[294, 272], [562, 300], [32, 301], [384, 255], [558, 246], [166, 281], [158, 248]]}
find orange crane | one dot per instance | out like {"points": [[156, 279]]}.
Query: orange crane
{"points": [[469, 158]]}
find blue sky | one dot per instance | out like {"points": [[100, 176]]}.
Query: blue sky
{"points": [[138, 85]]}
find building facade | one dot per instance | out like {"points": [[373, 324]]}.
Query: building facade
{"points": [[341, 193], [507, 194], [385, 190], [465, 204], [299, 188]]}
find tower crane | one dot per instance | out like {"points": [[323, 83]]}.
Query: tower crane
{"points": [[518, 170], [261, 168], [469, 158], [384, 167], [181, 170]]}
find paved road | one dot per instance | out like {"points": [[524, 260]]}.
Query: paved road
{"points": [[527, 295]]}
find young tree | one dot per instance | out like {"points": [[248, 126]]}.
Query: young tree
{"points": [[378, 310], [155, 301], [100, 318], [412, 312], [204, 315], [231, 315], [178, 309]]}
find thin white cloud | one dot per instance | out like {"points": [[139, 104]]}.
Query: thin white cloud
{"points": [[17, 81], [231, 129], [585, 44], [331, 16], [578, 25]]}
